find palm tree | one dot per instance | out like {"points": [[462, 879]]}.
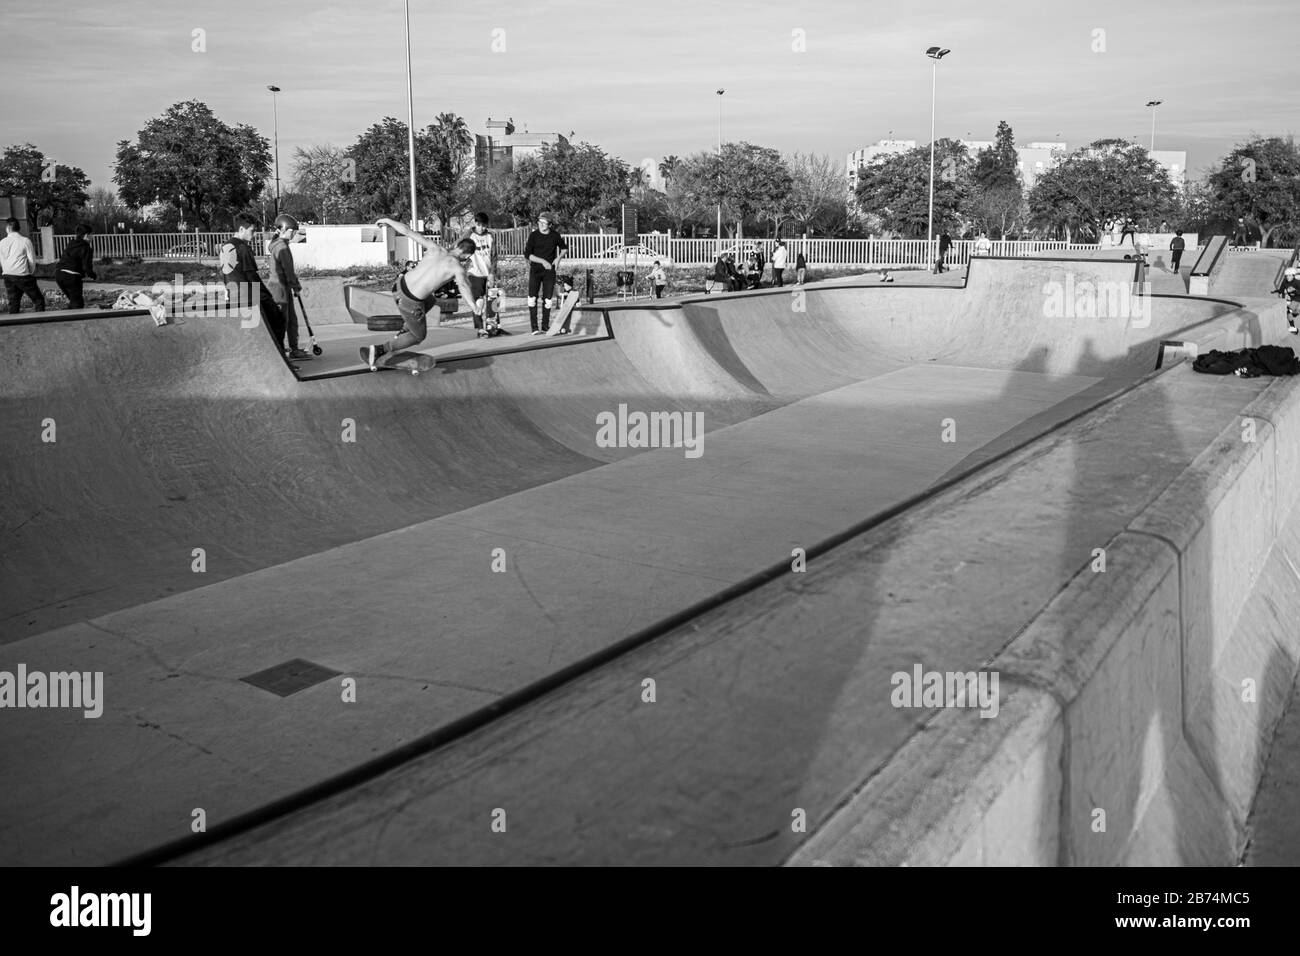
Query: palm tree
{"points": [[668, 166]]}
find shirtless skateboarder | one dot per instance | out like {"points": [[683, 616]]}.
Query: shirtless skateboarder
{"points": [[414, 290]]}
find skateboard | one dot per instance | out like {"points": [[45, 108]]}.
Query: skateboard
{"points": [[413, 362], [492, 315], [560, 325]]}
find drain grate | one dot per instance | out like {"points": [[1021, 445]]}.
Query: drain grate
{"points": [[290, 677]]}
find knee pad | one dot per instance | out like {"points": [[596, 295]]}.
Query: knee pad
{"points": [[532, 302]]}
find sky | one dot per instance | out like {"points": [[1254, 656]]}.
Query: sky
{"points": [[639, 79]]}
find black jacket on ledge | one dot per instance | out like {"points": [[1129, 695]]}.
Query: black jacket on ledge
{"points": [[1249, 363]]}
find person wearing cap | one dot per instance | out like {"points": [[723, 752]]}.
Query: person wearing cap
{"points": [[543, 251], [284, 281], [238, 267], [1289, 289]]}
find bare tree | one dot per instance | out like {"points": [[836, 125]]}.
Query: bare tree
{"points": [[819, 190]]}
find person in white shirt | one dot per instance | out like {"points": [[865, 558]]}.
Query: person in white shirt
{"points": [[983, 246], [18, 263], [482, 271], [658, 279], [779, 258]]}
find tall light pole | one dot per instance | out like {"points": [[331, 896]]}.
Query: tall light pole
{"points": [[720, 92], [935, 53], [275, 119], [410, 112], [1153, 104]]}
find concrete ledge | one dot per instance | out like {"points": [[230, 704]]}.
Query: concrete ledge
{"points": [[1139, 704]]}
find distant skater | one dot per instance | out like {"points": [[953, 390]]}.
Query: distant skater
{"points": [[1129, 230], [658, 279], [945, 243], [1176, 247], [800, 267], [1289, 289], [413, 291]]}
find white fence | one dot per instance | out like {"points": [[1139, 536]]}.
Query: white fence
{"points": [[589, 249]]}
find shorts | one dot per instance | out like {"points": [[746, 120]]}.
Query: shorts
{"points": [[412, 310], [479, 286]]}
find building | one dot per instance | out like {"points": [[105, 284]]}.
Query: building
{"points": [[502, 144], [1174, 162]]}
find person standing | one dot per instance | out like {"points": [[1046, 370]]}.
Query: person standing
{"points": [[983, 246], [238, 267], [75, 266], [658, 279], [779, 258], [482, 270], [800, 267], [1289, 289], [18, 263], [1129, 230], [1176, 247], [284, 280], [945, 243], [759, 262], [544, 250]]}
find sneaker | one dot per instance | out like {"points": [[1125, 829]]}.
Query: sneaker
{"points": [[537, 331], [370, 355], [299, 354], [1293, 330]]}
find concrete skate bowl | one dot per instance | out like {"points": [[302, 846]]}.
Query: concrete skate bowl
{"points": [[544, 564]]}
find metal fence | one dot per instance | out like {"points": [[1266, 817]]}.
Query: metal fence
{"points": [[590, 249]]}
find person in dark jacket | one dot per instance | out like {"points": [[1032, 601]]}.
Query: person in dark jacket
{"points": [[543, 252], [1176, 247], [800, 267], [945, 243], [238, 268], [75, 266], [284, 280]]}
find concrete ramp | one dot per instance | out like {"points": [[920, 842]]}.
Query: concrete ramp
{"points": [[460, 542]]}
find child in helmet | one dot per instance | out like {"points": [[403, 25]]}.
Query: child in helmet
{"points": [[284, 280], [1289, 289]]}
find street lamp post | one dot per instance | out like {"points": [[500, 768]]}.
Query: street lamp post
{"points": [[935, 53], [275, 119], [1153, 104], [720, 92], [410, 112]]}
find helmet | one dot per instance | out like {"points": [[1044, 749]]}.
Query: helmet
{"points": [[1291, 272], [285, 221]]}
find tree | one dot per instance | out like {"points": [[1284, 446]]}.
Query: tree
{"points": [[451, 178], [683, 202], [667, 167], [897, 188], [324, 177], [997, 210], [747, 179], [55, 192], [817, 194], [1103, 181], [579, 184], [195, 163], [998, 166], [1259, 181]]}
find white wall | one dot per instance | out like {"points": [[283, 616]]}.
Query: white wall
{"points": [[336, 247]]}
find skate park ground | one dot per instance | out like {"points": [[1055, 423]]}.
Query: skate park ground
{"points": [[524, 690]]}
